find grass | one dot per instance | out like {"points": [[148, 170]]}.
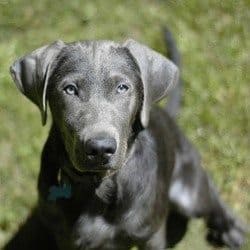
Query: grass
{"points": [[214, 40]]}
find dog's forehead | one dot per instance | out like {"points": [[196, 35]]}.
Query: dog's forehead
{"points": [[95, 56]]}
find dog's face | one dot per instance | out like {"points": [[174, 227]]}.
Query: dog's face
{"points": [[97, 91], [95, 94]]}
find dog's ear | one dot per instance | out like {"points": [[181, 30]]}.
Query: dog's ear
{"points": [[31, 74], [157, 72]]}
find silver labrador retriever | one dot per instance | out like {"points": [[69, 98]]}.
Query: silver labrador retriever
{"points": [[116, 171]]}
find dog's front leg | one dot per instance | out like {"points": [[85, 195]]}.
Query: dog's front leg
{"points": [[32, 235], [195, 196], [157, 240]]}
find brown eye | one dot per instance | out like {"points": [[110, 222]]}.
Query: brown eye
{"points": [[70, 89], [122, 88]]}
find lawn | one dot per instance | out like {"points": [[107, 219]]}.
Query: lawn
{"points": [[214, 40]]}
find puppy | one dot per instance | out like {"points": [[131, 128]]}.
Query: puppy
{"points": [[116, 171]]}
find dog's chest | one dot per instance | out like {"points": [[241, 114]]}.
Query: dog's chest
{"points": [[94, 232], [106, 227], [91, 232]]}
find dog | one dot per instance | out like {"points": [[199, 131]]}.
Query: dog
{"points": [[116, 171]]}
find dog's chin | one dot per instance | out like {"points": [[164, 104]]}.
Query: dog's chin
{"points": [[79, 172], [85, 170], [90, 167], [82, 167]]}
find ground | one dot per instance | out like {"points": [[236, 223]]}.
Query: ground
{"points": [[214, 40]]}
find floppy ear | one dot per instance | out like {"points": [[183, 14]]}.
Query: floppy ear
{"points": [[31, 74], [157, 72]]}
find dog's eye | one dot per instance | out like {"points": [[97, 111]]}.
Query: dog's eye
{"points": [[70, 89], [122, 88]]}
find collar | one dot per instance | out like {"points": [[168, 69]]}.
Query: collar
{"points": [[66, 178]]}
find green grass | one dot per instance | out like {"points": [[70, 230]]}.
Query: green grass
{"points": [[214, 40]]}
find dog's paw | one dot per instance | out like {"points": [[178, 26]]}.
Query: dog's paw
{"points": [[231, 235]]}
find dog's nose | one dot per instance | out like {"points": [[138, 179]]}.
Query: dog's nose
{"points": [[101, 148]]}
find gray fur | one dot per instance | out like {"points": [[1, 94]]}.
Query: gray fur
{"points": [[155, 173]]}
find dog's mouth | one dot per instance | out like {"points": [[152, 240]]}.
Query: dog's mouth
{"points": [[93, 167], [100, 168], [78, 175], [83, 165], [87, 171]]}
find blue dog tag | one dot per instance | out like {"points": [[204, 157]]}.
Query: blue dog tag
{"points": [[57, 192]]}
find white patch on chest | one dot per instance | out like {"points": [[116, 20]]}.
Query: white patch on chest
{"points": [[93, 232]]}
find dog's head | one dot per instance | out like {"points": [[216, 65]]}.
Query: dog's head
{"points": [[99, 92]]}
